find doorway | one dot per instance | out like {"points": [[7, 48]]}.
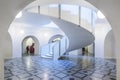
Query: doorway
{"points": [[30, 46]]}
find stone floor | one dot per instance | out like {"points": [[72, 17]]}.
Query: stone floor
{"points": [[69, 68]]}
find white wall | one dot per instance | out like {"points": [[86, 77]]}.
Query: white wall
{"points": [[41, 28], [45, 49], [101, 29], [64, 44], [56, 50], [109, 46]]}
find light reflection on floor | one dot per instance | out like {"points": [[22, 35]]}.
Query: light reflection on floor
{"points": [[70, 68]]}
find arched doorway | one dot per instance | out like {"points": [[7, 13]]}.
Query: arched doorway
{"points": [[53, 47], [55, 38], [63, 43], [30, 46], [109, 46]]}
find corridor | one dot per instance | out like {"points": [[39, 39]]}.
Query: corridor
{"points": [[68, 68]]}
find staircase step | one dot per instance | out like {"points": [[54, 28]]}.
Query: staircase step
{"points": [[50, 55], [47, 56]]}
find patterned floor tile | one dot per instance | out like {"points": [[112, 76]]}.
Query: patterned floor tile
{"points": [[12, 78], [32, 78], [71, 78], [61, 75], [71, 68]]}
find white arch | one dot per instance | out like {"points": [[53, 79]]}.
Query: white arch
{"points": [[109, 46], [54, 37], [36, 42], [13, 8]]}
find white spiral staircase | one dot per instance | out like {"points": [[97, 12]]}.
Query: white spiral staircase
{"points": [[78, 37]]}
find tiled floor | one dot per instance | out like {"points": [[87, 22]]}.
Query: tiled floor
{"points": [[71, 68]]}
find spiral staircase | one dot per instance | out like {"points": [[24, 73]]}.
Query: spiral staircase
{"points": [[78, 37]]}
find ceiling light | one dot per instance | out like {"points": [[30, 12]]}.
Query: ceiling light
{"points": [[100, 15], [21, 32], [19, 14], [46, 34]]}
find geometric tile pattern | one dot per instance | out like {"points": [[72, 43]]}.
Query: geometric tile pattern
{"points": [[71, 68]]}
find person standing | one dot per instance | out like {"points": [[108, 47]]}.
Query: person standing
{"points": [[32, 49], [27, 49]]}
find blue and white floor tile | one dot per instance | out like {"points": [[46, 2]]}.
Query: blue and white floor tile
{"points": [[77, 68]]}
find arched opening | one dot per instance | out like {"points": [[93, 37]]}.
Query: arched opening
{"points": [[30, 46], [63, 43], [57, 46], [41, 9], [109, 46], [55, 38]]}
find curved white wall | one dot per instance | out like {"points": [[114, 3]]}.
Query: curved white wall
{"points": [[109, 47], [101, 29]]}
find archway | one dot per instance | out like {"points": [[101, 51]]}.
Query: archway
{"points": [[57, 44], [28, 42], [114, 20], [109, 46], [67, 3], [55, 38]]}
